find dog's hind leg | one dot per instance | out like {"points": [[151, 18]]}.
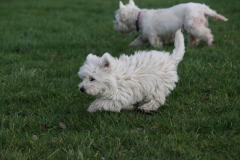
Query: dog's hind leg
{"points": [[138, 42]]}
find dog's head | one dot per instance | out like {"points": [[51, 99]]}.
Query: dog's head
{"points": [[96, 75], [125, 17]]}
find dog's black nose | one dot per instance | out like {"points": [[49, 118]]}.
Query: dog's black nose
{"points": [[82, 89]]}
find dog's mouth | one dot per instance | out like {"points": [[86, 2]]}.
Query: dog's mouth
{"points": [[92, 93], [121, 27]]}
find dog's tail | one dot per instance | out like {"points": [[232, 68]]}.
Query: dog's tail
{"points": [[211, 13], [179, 49]]}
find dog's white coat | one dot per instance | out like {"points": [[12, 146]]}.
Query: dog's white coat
{"points": [[158, 26], [146, 77]]}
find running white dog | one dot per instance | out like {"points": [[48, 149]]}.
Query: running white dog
{"points": [[146, 77], [158, 26]]}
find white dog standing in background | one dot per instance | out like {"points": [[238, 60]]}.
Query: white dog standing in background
{"points": [[158, 26], [146, 77]]}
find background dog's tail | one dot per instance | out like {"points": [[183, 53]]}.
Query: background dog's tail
{"points": [[179, 49], [211, 13]]}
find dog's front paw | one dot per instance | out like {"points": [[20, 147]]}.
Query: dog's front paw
{"points": [[134, 44], [146, 110], [131, 107], [92, 109], [149, 107]]}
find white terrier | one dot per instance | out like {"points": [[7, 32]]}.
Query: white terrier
{"points": [[158, 27], [146, 77]]}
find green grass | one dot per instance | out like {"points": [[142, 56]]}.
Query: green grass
{"points": [[43, 115]]}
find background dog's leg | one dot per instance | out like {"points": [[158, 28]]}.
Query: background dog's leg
{"points": [[138, 42], [155, 41]]}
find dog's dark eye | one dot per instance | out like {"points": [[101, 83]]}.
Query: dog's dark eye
{"points": [[91, 79]]}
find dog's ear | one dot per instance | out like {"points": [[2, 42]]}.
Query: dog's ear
{"points": [[105, 61], [121, 5], [131, 2], [92, 58]]}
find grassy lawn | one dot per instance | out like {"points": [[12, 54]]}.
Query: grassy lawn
{"points": [[43, 115]]}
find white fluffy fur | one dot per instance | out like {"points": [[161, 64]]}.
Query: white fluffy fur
{"points": [[146, 77], [158, 27]]}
